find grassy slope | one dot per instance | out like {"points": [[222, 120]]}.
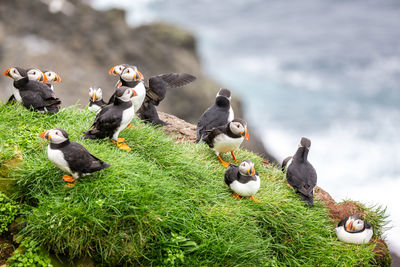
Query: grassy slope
{"points": [[127, 213]]}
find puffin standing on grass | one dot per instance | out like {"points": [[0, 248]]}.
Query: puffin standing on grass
{"points": [[227, 138], [217, 115], [243, 180], [33, 94], [354, 230], [96, 101], [300, 174], [113, 118], [70, 156]]}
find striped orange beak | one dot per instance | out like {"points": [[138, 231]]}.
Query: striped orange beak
{"points": [[350, 225], [253, 171], [44, 79], [43, 134], [93, 97], [133, 93], [246, 135], [7, 72], [141, 77], [58, 78], [119, 84], [112, 71]]}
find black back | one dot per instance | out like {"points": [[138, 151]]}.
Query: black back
{"points": [[79, 159], [37, 95], [215, 116], [302, 176], [232, 174]]}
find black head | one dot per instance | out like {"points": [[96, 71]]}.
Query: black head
{"points": [[125, 93], [224, 92], [305, 142]]}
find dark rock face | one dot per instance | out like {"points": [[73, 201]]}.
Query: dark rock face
{"points": [[81, 44]]}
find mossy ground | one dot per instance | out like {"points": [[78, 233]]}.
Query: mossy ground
{"points": [[161, 203]]}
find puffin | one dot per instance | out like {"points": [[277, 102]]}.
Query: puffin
{"points": [[113, 118], [354, 229], [33, 74], [154, 93], [52, 77], [217, 115], [71, 157], [243, 180], [300, 174], [96, 101], [33, 94], [227, 138]]}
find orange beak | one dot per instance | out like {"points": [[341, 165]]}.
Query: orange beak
{"points": [[45, 80], [253, 171], [133, 93], [247, 135], [93, 97], [58, 78], [141, 77], [7, 72], [111, 71], [349, 225], [42, 134], [119, 84]]}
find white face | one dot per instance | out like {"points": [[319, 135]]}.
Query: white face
{"points": [[237, 128], [130, 74], [117, 70], [128, 93], [35, 75], [55, 136], [247, 168], [354, 225], [52, 76], [13, 73], [95, 94]]}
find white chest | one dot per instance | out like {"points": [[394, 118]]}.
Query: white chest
{"points": [[57, 157], [247, 189], [354, 238], [224, 143], [231, 115], [16, 94], [127, 116], [94, 108], [138, 100]]}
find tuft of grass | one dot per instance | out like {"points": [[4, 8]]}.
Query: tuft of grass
{"points": [[163, 203]]}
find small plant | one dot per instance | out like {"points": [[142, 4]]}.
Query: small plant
{"points": [[176, 248], [29, 254], [8, 210]]}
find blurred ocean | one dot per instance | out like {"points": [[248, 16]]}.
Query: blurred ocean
{"points": [[328, 70]]}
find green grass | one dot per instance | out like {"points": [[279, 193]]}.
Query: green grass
{"points": [[162, 203]]}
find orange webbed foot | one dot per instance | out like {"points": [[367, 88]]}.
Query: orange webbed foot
{"points": [[255, 199], [224, 163], [124, 147], [237, 196], [68, 178]]}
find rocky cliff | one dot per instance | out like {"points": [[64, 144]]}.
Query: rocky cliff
{"points": [[81, 44]]}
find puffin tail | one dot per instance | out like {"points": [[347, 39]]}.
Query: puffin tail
{"points": [[89, 135], [308, 199]]}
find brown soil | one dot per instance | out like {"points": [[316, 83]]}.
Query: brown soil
{"points": [[6, 248]]}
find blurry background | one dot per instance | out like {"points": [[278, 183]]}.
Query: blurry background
{"points": [[328, 70]]}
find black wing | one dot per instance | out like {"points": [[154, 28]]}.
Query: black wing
{"points": [[158, 85], [231, 174], [209, 135], [83, 161], [211, 118]]}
